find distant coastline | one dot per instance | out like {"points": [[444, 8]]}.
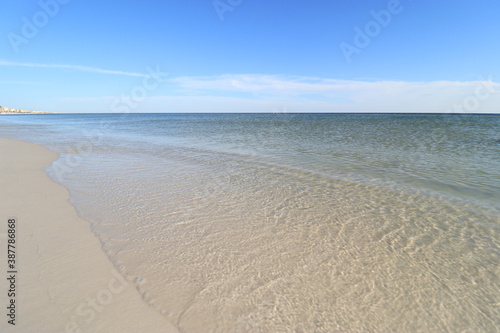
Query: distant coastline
{"points": [[5, 110]]}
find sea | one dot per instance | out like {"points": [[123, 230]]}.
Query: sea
{"points": [[290, 222]]}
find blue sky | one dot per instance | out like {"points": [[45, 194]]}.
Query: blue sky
{"points": [[250, 55]]}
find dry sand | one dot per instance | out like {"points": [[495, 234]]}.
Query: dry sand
{"points": [[64, 281]]}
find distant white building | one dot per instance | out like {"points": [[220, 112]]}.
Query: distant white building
{"points": [[4, 109]]}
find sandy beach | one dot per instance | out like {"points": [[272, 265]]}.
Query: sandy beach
{"points": [[63, 282], [250, 223]]}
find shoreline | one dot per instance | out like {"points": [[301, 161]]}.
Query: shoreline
{"points": [[64, 281]]}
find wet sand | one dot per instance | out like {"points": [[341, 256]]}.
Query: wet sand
{"points": [[64, 281]]}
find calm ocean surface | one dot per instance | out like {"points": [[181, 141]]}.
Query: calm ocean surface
{"points": [[291, 222]]}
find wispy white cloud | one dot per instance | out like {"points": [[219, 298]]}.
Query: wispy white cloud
{"points": [[306, 85], [268, 93], [350, 95], [71, 67], [21, 82]]}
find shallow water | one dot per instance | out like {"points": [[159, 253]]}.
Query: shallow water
{"points": [[291, 222]]}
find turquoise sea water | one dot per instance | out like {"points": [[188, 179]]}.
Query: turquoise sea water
{"points": [[291, 222]]}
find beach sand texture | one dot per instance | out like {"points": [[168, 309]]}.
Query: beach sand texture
{"points": [[253, 223], [65, 283]]}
